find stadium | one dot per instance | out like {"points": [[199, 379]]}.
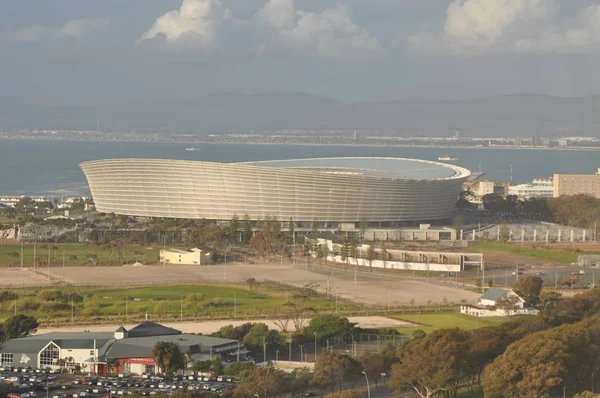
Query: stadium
{"points": [[388, 191]]}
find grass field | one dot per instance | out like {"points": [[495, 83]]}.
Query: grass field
{"points": [[164, 303], [562, 256], [76, 254], [446, 319]]}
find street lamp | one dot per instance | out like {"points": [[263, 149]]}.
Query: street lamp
{"points": [[301, 353], [315, 346], [264, 350], [277, 356], [368, 387]]}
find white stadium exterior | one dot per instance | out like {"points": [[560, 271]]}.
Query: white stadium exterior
{"points": [[384, 190]]}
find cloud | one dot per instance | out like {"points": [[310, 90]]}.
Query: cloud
{"points": [[71, 29], [330, 33], [517, 26], [196, 20], [277, 27]]}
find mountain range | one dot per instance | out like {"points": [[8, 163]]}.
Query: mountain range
{"points": [[495, 116]]}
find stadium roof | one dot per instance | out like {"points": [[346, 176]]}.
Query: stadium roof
{"points": [[393, 168]]}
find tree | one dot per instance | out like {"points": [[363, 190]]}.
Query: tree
{"points": [[508, 302], [458, 226], [384, 257], [167, 356], [344, 394], [18, 326], [328, 325], [262, 383], [432, 364], [3, 337], [529, 288], [234, 228], [247, 227], [195, 302], [332, 368], [92, 307], [537, 364], [251, 282], [372, 365], [12, 256], [291, 230], [463, 202], [371, 255], [239, 368], [504, 233]]}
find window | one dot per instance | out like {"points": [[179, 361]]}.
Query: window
{"points": [[49, 356], [92, 352], [6, 359]]}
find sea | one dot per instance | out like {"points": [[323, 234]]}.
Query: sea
{"points": [[51, 168]]}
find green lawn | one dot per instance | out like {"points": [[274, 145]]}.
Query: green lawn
{"points": [[167, 303], [563, 256], [76, 254], [446, 319]]}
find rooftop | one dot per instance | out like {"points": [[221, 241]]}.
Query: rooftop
{"points": [[393, 168]]}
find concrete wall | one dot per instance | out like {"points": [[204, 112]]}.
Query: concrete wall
{"points": [[399, 264]]}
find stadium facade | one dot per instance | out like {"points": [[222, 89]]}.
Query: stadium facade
{"points": [[384, 190]]}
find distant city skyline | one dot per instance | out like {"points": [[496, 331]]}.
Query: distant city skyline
{"points": [[70, 52]]}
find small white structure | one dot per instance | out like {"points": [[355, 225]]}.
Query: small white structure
{"points": [[185, 257], [489, 301]]}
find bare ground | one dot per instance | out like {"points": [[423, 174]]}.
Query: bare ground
{"points": [[370, 289], [213, 326]]}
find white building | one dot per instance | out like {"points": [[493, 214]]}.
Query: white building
{"points": [[185, 257], [11, 201], [487, 305], [537, 189]]}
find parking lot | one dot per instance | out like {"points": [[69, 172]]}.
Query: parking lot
{"points": [[31, 383]]}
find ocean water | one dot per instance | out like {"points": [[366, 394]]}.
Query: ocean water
{"points": [[51, 167]]}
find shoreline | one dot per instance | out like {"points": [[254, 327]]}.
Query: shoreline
{"points": [[305, 144]]}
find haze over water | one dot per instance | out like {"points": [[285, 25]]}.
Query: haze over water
{"points": [[40, 167]]}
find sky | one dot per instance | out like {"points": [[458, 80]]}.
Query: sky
{"points": [[66, 52]]}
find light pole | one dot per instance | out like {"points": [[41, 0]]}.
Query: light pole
{"points": [[290, 351], [225, 266], [277, 356], [315, 346], [368, 387], [264, 350], [301, 353]]}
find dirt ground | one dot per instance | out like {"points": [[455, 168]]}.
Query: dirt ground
{"points": [[371, 289], [213, 326]]}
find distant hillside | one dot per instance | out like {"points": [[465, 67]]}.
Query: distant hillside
{"points": [[509, 115]]}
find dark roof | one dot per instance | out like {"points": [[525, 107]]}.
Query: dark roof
{"points": [[142, 346], [121, 329], [494, 294], [149, 328]]}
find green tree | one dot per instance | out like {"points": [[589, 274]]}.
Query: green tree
{"points": [[332, 368], [432, 364], [234, 229], [291, 230], [384, 257], [92, 307], [3, 337], [167, 356], [20, 326], [529, 288], [262, 383], [238, 368], [504, 233], [251, 282], [371, 255], [329, 325]]}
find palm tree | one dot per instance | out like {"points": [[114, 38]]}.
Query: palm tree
{"points": [[167, 356]]}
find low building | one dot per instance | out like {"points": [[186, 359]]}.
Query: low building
{"points": [[489, 304], [533, 190], [186, 257], [122, 352]]}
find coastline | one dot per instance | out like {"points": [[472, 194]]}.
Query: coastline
{"points": [[531, 148]]}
